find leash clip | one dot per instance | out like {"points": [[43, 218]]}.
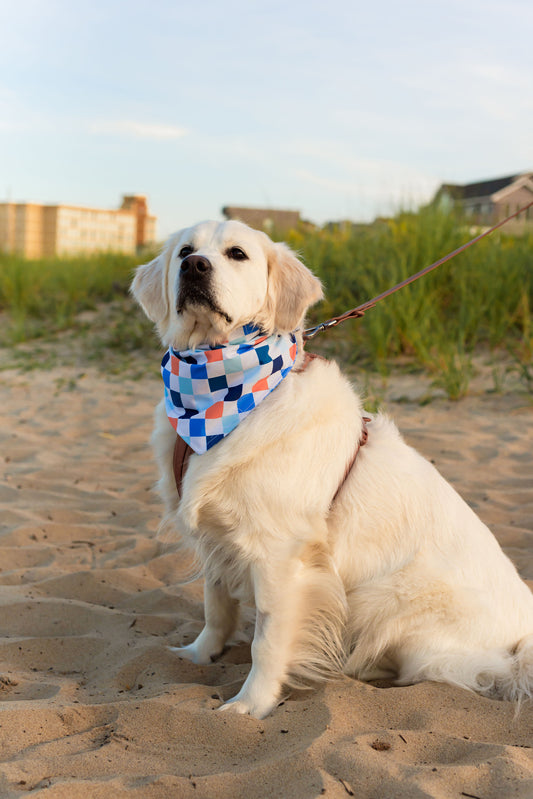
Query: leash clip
{"points": [[313, 331]]}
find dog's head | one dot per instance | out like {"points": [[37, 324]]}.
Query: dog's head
{"points": [[217, 276]]}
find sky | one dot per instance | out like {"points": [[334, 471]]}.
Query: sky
{"points": [[339, 109]]}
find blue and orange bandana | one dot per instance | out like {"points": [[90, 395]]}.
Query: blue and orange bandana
{"points": [[209, 390]]}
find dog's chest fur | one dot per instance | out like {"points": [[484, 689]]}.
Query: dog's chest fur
{"points": [[247, 488]]}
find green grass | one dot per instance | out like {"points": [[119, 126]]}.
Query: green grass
{"points": [[44, 296], [481, 299]]}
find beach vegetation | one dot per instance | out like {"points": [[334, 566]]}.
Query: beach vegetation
{"points": [[480, 299]]}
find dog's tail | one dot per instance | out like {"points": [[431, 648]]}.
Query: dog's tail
{"points": [[499, 674], [517, 685], [505, 673]]}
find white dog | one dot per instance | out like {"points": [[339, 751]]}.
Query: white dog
{"points": [[374, 567]]}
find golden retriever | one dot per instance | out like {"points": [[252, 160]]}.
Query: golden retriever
{"points": [[391, 576]]}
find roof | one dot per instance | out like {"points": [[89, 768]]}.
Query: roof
{"points": [[485, 188], [262, 217]]}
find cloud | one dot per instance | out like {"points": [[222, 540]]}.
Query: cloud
{"points": [[371, 189], [379, 180], [138, 130]]}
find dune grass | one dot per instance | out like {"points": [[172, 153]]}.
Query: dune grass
{"points": [[482, 298], [44, 296]]}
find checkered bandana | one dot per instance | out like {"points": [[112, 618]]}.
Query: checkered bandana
{"points": [[209, 390]]}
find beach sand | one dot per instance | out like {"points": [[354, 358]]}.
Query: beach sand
{"points": [[92, 702]]}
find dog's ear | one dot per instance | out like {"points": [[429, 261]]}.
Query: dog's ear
{"points": [[292, 288], [149, 288]]}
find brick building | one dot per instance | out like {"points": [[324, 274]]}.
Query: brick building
{"points": [[37, 231], [266, 219]]}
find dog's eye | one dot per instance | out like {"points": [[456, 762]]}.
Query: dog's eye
{"points": [[185, 251], [236, 254]]}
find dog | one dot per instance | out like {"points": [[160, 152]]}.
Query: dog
{"points": [[358, 559]]}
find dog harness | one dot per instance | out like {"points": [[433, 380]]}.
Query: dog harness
{"points": [[182, 450], [209, 390]]}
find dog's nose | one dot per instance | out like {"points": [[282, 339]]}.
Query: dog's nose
{"points": [[195, 265]]}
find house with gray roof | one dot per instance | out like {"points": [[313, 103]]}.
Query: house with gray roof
{"points": [[489, 201]]}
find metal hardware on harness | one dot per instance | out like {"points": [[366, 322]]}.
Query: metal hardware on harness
{"points": [[357, 313], [312, 331]]}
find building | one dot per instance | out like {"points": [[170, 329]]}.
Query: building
{"points": [[490, 201], [37, 231], [267, 219]]}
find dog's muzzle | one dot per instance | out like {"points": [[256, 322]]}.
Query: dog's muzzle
{"points": [[194, 281], [195, 285]]}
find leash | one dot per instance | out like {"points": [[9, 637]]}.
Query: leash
{"points": [[357, 313], [182, 451]]}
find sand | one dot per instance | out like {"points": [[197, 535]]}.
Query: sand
{"points": [[94, 705]]}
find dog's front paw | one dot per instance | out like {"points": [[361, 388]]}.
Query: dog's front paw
{"points": [[192, 653], [246, 705], [204, 650]]}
